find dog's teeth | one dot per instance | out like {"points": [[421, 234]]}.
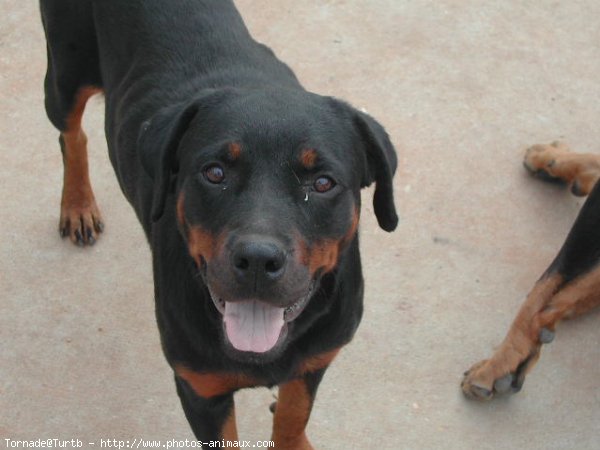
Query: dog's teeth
{"points": [[292, 308]]}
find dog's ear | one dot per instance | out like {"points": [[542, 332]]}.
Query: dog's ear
{"points": [[379, 163], [158, 142], [381, 166]]}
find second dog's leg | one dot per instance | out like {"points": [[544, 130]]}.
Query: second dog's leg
{"points": [[570, 286]]}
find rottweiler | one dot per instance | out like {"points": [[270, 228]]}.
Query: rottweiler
{"points": [[568, 288], [246, 185]]}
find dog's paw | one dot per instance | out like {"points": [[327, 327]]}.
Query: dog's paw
{"points": [[505, 371], [82, 223], [539, 160], [476, 385], [482, 382]]}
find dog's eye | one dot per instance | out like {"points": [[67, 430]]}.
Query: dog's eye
{"points": [[324, 184], [214, 173]]}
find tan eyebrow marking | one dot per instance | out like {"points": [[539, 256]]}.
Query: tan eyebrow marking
{"points": [[308, 158]]}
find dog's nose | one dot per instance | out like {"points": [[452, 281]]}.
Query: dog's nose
{"points": [[258, 263]]}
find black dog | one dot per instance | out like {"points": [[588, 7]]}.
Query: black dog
{"points": [[247, 186]]}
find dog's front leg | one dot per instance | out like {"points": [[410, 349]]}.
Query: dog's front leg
{"points": [[570, 287], [292, 411], [211, 418]]}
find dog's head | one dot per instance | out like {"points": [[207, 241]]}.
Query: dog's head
{"points": [[267, 192]]}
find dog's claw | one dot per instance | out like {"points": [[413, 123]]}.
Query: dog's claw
{"points": [[577, 190], [543, 175], [546, 336], [481, 392], [78, 238], [90, 236]]}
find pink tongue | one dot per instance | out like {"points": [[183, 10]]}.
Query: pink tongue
{"points": [[253, 326]]}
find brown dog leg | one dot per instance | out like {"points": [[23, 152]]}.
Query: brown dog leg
{"points": [[294, 405], [570, 286], [293, 409], [507, 367], [534, 325], [80, 217], [577, 298]]}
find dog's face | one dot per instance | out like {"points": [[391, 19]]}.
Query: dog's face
{"points": [[267, 201]]}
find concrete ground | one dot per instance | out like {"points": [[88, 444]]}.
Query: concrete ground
{"points": [[462, 87]]}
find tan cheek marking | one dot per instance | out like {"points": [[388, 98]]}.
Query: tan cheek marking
{"points": [[308, 158], [353, 228], [324, 254], [200, 242]]}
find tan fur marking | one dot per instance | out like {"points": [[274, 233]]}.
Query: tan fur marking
{"points": [[308, 158], [549, 302], [209, 385], [235, 150], [79, 212], [521, 342], [538, 298], [558, 161], [551, 299], [291, 416], [74, 118], [201, 243], [317, 362], [353, 228], [324, 254], [577, 297]]}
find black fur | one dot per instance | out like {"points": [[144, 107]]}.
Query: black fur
{"points": [[581, 252], [183, 80]]}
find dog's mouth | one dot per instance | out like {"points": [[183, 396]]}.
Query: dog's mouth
{"points": [[255, 326]]}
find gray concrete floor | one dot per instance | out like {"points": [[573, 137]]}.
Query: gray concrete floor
{"points": [[462, 87]]}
